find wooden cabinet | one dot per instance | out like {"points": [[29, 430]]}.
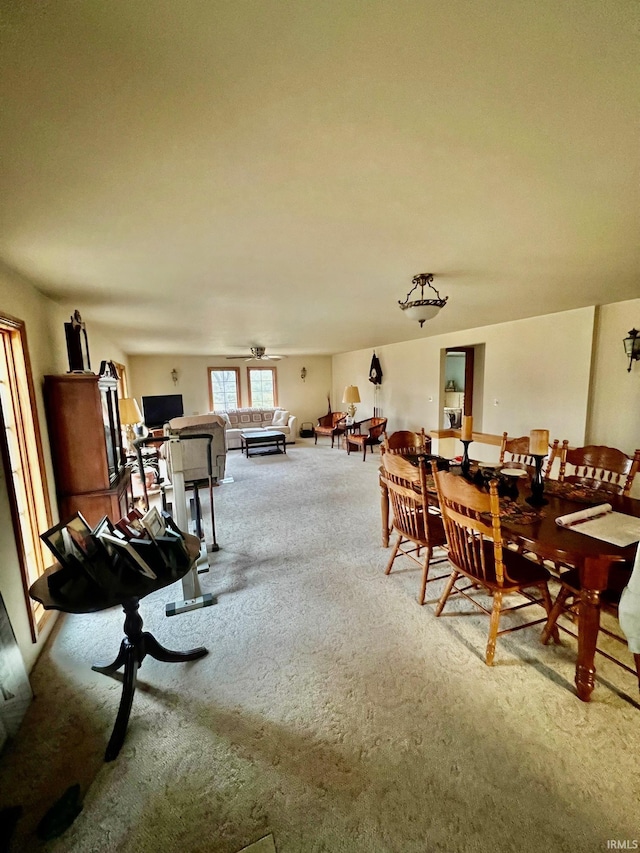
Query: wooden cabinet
{"points": [[86, 446]]}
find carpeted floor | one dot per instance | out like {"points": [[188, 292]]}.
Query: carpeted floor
{"points": [[332, 711]]}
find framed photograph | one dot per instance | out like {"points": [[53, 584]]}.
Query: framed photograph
{"points": [[81, 535], [170, 526], [131, 525], [77, 345], [124, 549], [70, 542], [153, 523]]}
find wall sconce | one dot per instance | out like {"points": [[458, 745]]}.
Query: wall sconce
{"points": [[303, 373], [632, 347], [422, 309], [174, 376]]}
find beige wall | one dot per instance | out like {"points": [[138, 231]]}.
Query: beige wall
{"points": [[48, 353], [537, 369], [614, 417], [307, 400]]}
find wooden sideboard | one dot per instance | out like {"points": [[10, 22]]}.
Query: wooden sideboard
{"points": [[86, 446]]}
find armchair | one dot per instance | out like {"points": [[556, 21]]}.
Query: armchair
{"points": [[331, 424], [365, 434]]}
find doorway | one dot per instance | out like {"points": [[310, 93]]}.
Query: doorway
{"points": [[462, 375]]}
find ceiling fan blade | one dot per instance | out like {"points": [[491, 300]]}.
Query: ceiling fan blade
{"points": [[262, 357]]}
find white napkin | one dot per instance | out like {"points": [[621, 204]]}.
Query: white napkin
{"points": [[583, 515]]}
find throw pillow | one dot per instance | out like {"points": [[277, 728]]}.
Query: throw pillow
{"points": [[280, 418]]}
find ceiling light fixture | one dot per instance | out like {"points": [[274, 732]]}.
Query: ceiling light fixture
{"points": [[422, 309], [632, 347]]}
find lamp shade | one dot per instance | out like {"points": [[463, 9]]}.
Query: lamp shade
{"points": [[351, 394], [421, 311], [129, 411]]}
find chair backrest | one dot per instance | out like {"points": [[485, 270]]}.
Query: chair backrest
{"points": [[515, 451], [599, 467], [472, 523], [331, 419], [376, 428], [404, 442], [407, 489]]}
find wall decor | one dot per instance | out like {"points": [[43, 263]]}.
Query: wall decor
{"points": [[77, 345]]}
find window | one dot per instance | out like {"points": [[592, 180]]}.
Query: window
{"points": [[224, 388], [262, 387], [21, 449]]}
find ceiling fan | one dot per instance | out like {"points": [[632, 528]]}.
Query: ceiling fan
{"points": [[259, 354]]}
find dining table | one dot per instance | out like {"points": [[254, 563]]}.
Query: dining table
{"points": [[534, 529]]}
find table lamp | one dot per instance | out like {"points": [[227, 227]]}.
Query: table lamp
{"points": [[130, 414], [351, 395]]}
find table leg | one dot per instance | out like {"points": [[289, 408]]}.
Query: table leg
{"points": [[594, 577], [133, 650], [110, 668], [126, 700], [152, 647], [588, 627]]}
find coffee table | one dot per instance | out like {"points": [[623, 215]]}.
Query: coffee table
{"points": [[270, 440]]}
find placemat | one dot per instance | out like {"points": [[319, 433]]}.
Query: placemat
{"points": [[515, 513], [574, 491]]}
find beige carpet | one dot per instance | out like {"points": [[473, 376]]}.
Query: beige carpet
{"points": [[332, 711]]}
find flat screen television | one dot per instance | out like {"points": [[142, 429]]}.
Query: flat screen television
{"points": [[159, 409]]}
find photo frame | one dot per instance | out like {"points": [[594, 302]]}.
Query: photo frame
{"points": [[124, 549], [70, 542], [77, 345], [153, 523]]}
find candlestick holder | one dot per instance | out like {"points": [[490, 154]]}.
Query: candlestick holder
{"points": [[537, 483], [465, 466]]}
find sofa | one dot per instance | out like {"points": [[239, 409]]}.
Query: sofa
{"points": [[237, 420]]}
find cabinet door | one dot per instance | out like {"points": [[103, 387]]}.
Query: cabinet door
{"points": [[77, 433]]}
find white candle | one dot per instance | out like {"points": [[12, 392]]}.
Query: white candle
{"points": [[539, 442], [467, 428]]}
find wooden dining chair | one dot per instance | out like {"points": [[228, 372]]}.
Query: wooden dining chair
{"points": [[599, 467], [366, 433], [568, 603], [419, 530], [405, 442], [477, 552], [514, 452], [331, 424]]}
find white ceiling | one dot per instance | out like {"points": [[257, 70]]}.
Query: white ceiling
{"points": [[200, 176]]}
